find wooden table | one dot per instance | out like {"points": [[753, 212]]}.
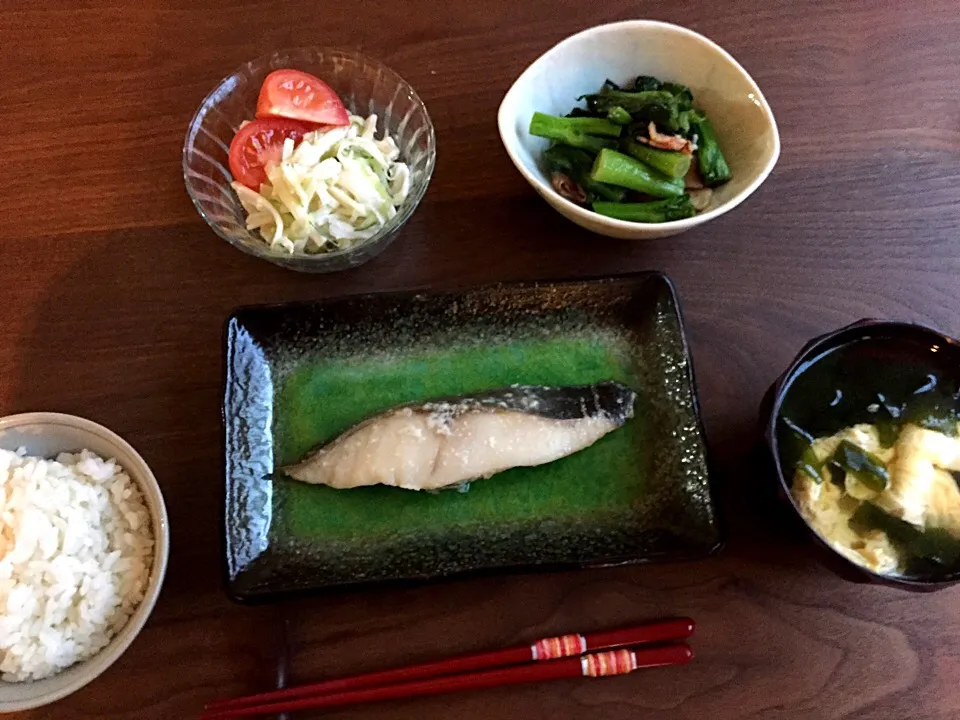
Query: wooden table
{"points": [[113, 293]]}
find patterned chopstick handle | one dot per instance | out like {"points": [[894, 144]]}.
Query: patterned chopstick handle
{"points": [[558, 647], [614, 662]]}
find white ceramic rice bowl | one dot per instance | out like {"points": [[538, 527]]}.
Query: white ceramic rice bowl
{"points": [[47, 434]]}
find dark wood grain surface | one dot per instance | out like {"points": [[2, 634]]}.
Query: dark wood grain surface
{"points": [[113, 292]]}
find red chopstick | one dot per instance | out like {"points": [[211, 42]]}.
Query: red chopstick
{"points": [[612, 662], [545, 649]]}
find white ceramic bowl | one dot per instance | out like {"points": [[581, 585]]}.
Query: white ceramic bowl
{"points": [[47, 434], [745, 126]]}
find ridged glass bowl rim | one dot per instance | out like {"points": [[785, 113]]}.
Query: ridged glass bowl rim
{"points": [[392, 225]]}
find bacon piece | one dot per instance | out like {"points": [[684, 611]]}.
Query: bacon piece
{"points": [[692, 180], [567, 188], [667, 142]]}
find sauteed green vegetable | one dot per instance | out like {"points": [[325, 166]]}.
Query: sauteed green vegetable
{"points": [[641, 152]]}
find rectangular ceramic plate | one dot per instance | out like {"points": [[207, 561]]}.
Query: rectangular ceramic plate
{"points": [[298, 375]]}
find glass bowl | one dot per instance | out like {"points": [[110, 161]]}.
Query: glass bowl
{"points": [[365, 86]]}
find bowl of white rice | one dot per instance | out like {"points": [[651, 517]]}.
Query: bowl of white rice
{"points": [[84, 541]]}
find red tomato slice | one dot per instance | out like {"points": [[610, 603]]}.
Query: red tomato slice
{"points": [[300, 96], [258, 143]]}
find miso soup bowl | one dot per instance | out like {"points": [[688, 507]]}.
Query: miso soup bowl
{"points": [[826, 388]]}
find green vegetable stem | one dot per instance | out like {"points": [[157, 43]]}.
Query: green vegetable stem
{"points": [[599, 153], [576, 164], [711, 163], [618, 169], [587, 133], [674, 164], [619, 116], [649, 212]]}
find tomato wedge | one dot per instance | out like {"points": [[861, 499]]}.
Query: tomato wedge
{"points": [[300, 96], [258, 143]]}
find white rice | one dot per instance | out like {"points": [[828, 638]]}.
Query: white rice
{"points": [[76, 549]]}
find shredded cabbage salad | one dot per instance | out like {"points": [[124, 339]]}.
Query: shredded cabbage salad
{"points": [[334, 190]]}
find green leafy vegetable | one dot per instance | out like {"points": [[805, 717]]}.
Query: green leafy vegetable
{"points": [[619, 116], [802, 446], [649, 212], [586, 125], [614, 119], [673, 164], [618, 169], [687, 121], [710, 161], [838, 476], [934, 545], [657, 106], [646, 82], [682, 92], [809, 465], [888, 432], [871, 517], [578, 132], [865, 466], [934, 412], [577, 164], [888, 420], [938, 545]]}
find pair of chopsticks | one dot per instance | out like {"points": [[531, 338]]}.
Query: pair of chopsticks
{"points": [[569, 656]]}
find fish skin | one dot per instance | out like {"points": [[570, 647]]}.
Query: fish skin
{"points": [[448, 441]]}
